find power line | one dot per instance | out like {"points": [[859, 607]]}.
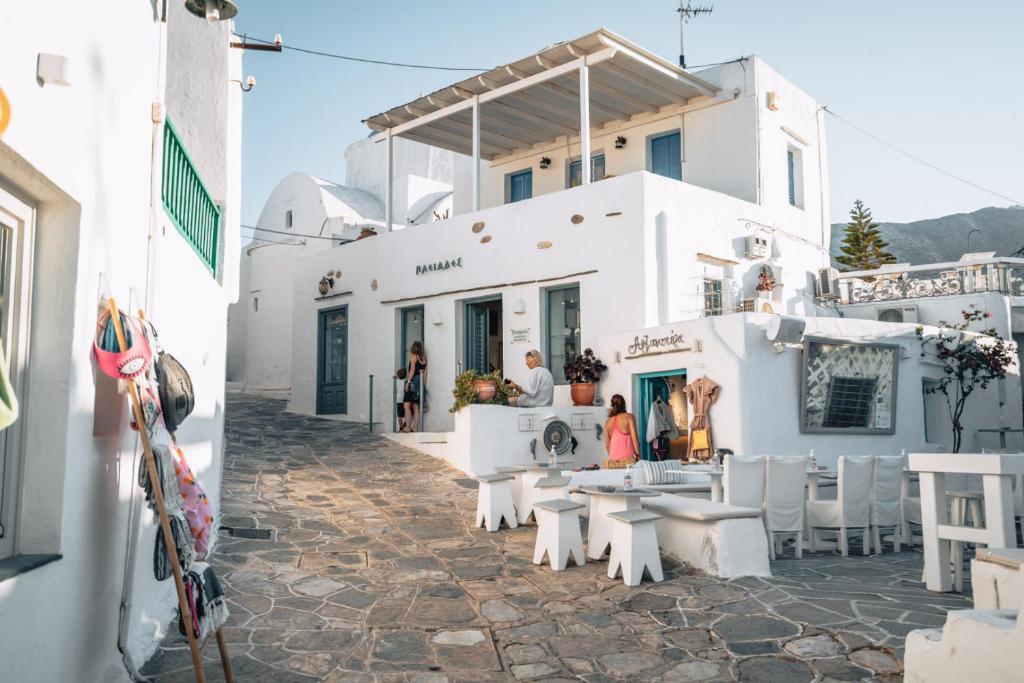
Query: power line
{"points": [[288, 233], [921, 161], [363, 60]]}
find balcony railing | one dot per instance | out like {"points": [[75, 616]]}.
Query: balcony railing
{"points": [[188, 202], [1003, 276]]}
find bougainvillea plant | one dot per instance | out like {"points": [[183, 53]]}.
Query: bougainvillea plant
{"points": [[968, 362], [584, 369]]}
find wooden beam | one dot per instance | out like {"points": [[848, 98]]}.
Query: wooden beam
{"points": [[672, 72]]}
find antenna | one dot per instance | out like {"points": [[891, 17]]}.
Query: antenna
{"points": [[685, 14]]}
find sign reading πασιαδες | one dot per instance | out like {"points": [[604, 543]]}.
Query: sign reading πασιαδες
{"points": [[520, 335], [447, 264], [647, 345]]}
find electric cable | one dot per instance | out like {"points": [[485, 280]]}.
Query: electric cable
{"points": [[363, 60], [288, 233], [921, 161]]}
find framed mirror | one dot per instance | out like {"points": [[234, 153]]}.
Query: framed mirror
{"points": [[848, 387]]}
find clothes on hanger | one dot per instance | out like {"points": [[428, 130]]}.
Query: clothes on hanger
{"points": [[660, 421]]}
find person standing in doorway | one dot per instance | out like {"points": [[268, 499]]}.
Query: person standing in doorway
{"points": [[416, 382], [620, 437]]}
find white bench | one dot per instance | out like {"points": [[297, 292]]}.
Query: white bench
{"points": [[722, 540], [697, 484]]}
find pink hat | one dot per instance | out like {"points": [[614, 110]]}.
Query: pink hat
{"points": [[130, 364]]}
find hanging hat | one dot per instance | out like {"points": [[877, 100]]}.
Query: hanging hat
{"points": [[133, 361]]}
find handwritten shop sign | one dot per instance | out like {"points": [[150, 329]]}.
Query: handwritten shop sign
{"points": [[447, 264], [647, 345], [521, 335]]}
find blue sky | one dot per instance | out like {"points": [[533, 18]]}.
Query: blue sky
{"points": [[940, 79]]}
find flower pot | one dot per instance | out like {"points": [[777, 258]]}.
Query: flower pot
{"points": [[486, 390], [583, 393], [366, 232]]}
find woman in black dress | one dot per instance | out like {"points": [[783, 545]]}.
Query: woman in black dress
{"points": [[415, 383]]}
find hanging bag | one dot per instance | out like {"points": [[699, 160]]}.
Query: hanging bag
{"points": [[177, 398], [197, 506]]}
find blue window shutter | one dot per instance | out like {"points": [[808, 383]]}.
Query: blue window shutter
{"points": [[666, 156], [520, 186], [575, 174], [792, 177]]}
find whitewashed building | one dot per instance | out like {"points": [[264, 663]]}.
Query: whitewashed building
{"points": [[115, 119], [705, 195]]}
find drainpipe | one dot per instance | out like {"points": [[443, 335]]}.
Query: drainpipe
{"points": [[134, 516]]}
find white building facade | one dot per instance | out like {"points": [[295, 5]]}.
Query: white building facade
{"points": [[102, 110]]}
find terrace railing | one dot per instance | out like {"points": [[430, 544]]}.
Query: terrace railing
{"points": [[1003, 276], [187, 200]]}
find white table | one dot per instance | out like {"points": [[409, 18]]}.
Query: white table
{"points": [[528, 492], [997, 471], [599, 533]]}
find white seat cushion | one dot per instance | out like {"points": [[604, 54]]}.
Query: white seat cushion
{"points": [[696, 509]]}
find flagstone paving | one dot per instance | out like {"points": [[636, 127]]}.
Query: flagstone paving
{"points": [[373, 572]]}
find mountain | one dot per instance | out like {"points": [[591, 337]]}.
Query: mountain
{"points": [[937, 240]]}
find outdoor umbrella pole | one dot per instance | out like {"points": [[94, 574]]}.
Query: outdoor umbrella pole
{"points": [[158, 498]]}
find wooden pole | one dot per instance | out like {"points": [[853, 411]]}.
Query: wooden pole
{"points": [[158, 497]]}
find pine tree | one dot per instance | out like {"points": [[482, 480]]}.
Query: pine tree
{"points": [[863, 247]]}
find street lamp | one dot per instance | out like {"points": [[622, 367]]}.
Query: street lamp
{"points": [[212, 10]]}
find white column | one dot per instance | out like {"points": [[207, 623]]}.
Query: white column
{"points": [[585, 123], [389, 188], [476, 153]]}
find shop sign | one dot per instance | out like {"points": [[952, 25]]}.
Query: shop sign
{"points": [[647, 345], [521, 336], [447, 264]]}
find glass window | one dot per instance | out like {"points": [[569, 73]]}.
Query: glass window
{"points": [[288, 218], [791, 171], [665, 155], [596, 170], [519, 186], [412, 331], [563, 329], [712, 297]]}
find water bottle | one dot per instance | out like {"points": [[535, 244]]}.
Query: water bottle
{"points": [[552, 457], [813, 463], [627, 481]]}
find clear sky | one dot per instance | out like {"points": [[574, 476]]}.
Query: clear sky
{"points": [[941, 79]]}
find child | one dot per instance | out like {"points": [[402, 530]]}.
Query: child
{"points": [[400, 393]]}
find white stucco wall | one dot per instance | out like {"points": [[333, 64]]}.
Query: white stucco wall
{"points": [[82, 154]]}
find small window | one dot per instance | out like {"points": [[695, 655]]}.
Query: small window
{"points": [[850, 402], [665, 155], [795, 176], [712, 297], [576, 171], [288, 219], [563, 329], [255, 304], [518, 186]]}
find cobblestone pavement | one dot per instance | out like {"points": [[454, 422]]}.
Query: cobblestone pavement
{"points": [[373, 572]]}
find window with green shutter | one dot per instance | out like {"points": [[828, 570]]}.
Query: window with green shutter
{"points": [[187, 201]]}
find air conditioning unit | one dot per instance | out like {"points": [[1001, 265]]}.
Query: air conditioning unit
{"points": [[828, 283], [898, 314], [758, 245]]}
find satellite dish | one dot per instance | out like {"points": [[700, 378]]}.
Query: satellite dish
{"points": [[559, 435]]}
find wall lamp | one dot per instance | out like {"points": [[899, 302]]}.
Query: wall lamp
{"points": [[519, 306], [325, 285], [545, 162], [212, 10], [437, 319], [620, 142], [250, 83]]}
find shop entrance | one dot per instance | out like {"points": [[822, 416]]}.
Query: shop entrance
{"points": [[483, 335], [666, 387]]}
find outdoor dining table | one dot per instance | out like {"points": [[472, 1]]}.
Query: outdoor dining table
{"points": [[602, 502], [716, 474], [528, 494]]}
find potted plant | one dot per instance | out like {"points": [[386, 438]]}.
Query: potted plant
{"points": [[765, 284], [583, 373], [367, 231], [472, 387]]}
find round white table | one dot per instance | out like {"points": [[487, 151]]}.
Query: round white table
{"points": [[599, 535]]}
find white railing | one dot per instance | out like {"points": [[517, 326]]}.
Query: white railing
{"points": [[896, 283]]}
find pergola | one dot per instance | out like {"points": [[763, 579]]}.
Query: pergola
{"points": [[565, 89]]}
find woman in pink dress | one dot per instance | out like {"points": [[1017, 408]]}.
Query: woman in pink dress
{"points": [[620, 433]]}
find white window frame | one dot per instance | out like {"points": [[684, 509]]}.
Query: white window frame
{"points": [[17, 312]]}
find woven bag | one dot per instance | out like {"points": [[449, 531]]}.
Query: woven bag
{"points": [[176, 395]]}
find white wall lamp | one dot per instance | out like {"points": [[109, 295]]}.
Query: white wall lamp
{"points": [[437, 319], [212, 10], [519, 306]]}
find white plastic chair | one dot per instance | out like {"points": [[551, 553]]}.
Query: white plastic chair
{"points": [[743, 481], [852, 507], [784, 484], [887, 500]]}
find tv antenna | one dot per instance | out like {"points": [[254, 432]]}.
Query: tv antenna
{"points": [[686, 13]]}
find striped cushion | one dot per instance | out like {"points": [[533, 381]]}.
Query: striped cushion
{"points": [[659, 472]]}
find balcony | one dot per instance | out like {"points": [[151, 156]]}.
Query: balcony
{"points": [[901, 283]]}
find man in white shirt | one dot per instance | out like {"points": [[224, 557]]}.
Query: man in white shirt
{"points": [[540, 385]]}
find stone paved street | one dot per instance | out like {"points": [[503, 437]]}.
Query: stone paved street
{"points": [[373, 572]]}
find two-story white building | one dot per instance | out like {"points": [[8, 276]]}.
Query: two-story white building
{"points": [[119, 175]]}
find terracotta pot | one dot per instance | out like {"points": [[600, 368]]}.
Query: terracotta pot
{"points": [[366, 232], [583, 393], [486, 390]]}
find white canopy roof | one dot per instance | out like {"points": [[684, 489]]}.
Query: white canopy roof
{"points": [[536, 99]]}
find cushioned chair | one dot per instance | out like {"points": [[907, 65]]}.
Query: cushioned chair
{"points": [[784, 484], [886, 500], [852, 507], [743, 481]]}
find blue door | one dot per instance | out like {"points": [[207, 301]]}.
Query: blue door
{"points": [[332, 362], [476, 338], [666, 155], [520, 186]]}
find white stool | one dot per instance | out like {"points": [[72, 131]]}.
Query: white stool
{"points": [[517, 483], [558, 533], [551, 488], [634, 546], [495, 501]]}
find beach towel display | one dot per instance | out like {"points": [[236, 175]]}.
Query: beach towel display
{"points": [[8, 401], [195, 504], [206, 600], [181, 528]]}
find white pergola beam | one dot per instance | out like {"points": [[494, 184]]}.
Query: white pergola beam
{"points": [[585, 123], [476, 153]]}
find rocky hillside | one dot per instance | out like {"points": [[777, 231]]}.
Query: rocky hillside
{"points": [[945, 239]]}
